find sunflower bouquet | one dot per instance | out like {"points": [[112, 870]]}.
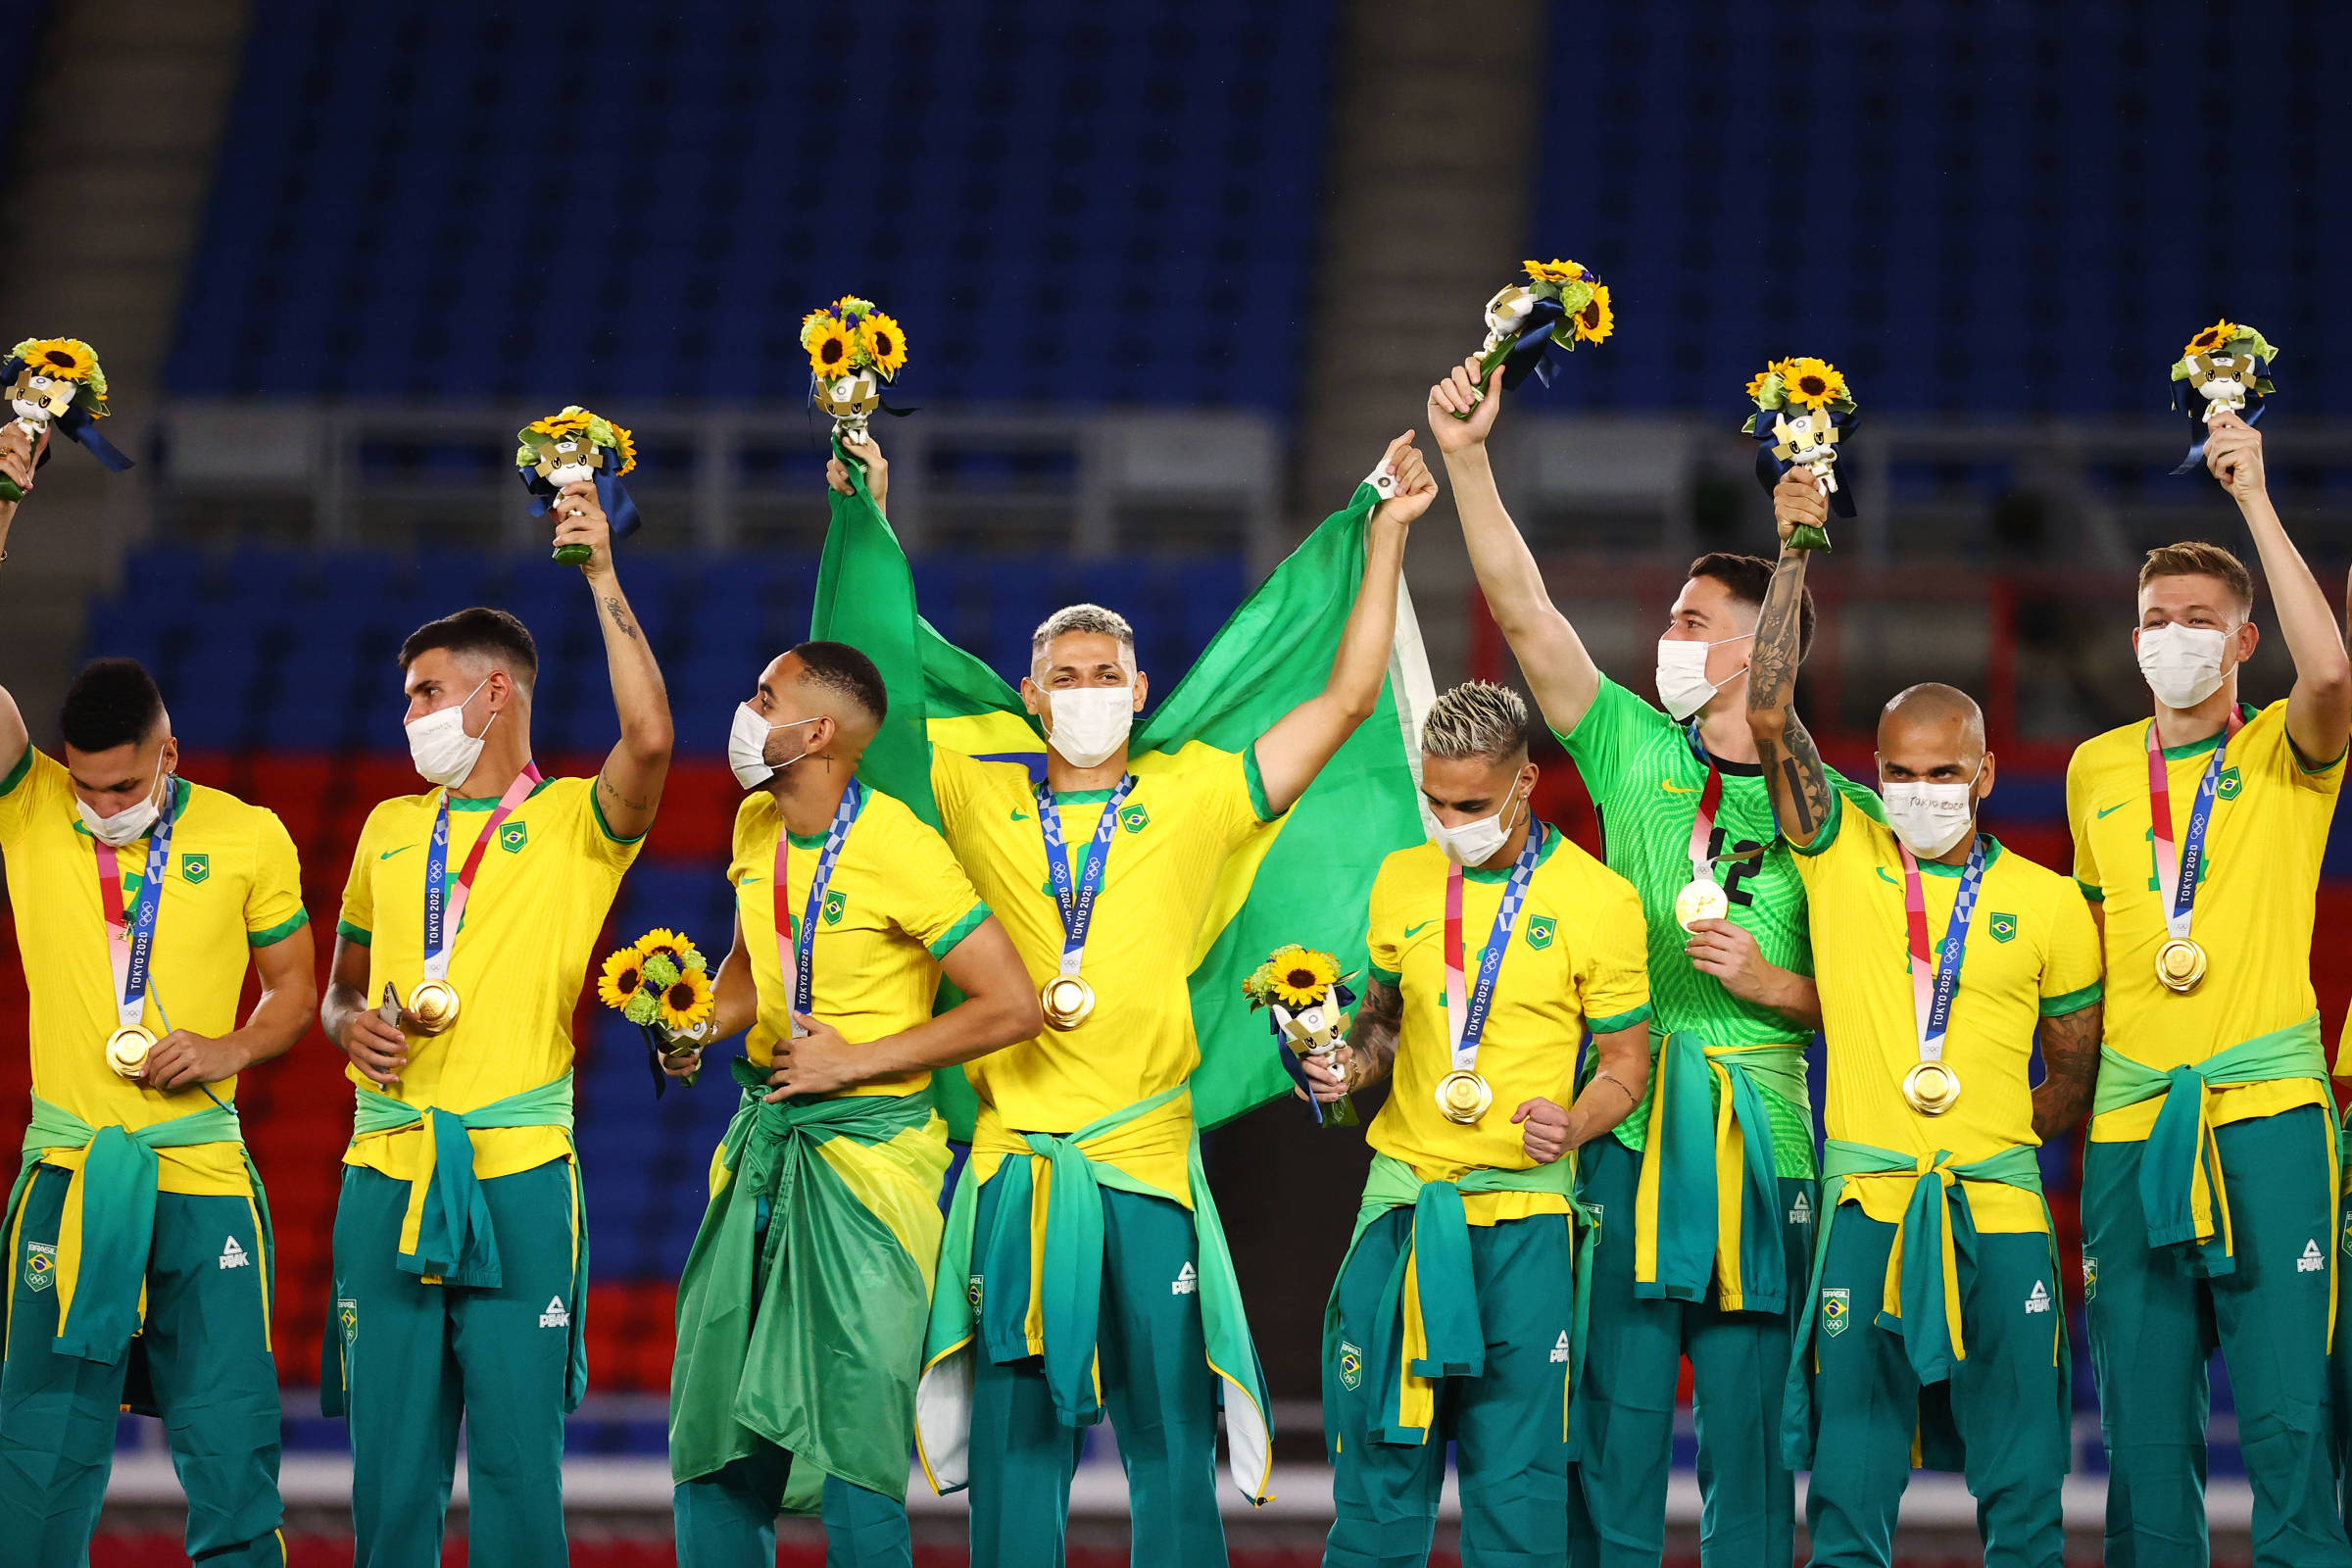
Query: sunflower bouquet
{"points": [[577, 447], [662, 983], [1810, 411], [854, 348], [1561, 303], [57, 380], [2227, 366], [1305, 1001]]}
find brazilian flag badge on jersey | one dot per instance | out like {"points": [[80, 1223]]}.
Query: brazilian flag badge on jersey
{"points": [[2229, 784], [835, 904], [512, 836], [1834, 1304], [195, 868], [2002, 926], [1540, 932], [1134, 819]]}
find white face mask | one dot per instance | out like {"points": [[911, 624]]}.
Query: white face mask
{"points": [[1477, 843], [1683, 685], [1089, 722], [1929, 818], [439, 746], [129, 825], [747, 746], [2183, 665]]}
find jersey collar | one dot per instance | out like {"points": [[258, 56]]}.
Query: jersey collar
{"points": [[1993, 853], [1502, 873], [2175, 753]]}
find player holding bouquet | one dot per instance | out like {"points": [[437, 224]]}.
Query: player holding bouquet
{"points": [[1493, 950]]}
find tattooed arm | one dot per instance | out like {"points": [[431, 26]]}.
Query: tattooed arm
{"points": [[2070, 1057], [1792, 768], [1369, 1050], [629, 787]]}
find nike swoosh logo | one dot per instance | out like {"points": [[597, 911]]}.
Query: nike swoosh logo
{"points": [[1020, 817], [2119, 806], [388, 853], [1411, 931], [1672, 788], [750, 879], [1883, 877]]}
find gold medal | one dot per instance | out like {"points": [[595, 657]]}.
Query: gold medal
{"points": [[1067, 1000], [126, 1049], [2181, 964], [1463, 1097], [1701, 898], [1931, 1088], [433, 1004]]}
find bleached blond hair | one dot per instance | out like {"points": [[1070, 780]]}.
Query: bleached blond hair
{"points": [[1084, 618], [1477, 718]]}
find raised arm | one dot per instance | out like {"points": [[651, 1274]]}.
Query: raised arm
{"points": [[17, 461], [1294, 751], [998, 1008], [1793, 767], [629, 787], [2318, 710], [1551, 656]]}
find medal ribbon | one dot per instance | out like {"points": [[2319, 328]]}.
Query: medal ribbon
{"points": [[795, 950], [1932, 992], [444, 903], [2176, 872], [1470, 1022], [1078, 903], [130, 941], [1702, 826]]}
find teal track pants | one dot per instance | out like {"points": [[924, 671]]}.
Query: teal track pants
{"points": [[206, 1345], [1624, 1410], [1156, 1385], [419, 1358], [2000, 1396], [1508, 1426], [2155, 1322], [728, 1519]]}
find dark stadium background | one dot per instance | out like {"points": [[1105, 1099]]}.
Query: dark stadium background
{"points": [[1172, 274]]}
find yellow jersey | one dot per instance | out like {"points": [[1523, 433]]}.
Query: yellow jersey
{"points": [[2032, 954], [897, 903], [231, 884], [1176, 827], [517, 961], [1579, 959], [2256, 894]]}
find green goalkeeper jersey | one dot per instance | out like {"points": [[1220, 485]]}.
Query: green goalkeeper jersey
{"points": [[1646, 775]]}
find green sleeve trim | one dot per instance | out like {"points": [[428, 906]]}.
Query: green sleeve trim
{"points": [[1386, 977], [602, 826], [16, 774], [352, 933], [960, 930], [2292, 749], [278, 932], [2092, 891], [2073, 1001], [1623, 1020], [1257, 785], [1828, 830]]}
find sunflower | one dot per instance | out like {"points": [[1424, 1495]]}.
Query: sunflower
{"points": [[813, 325], [1596, 321], [1553, 271], [571, 422], [1755, 382], [834, 353], [686, 1002], [1302, 976], [1813, 382], [883, 342], [624, 973], [625, 446], [664, 943], [69, 359], [2212, 340]]}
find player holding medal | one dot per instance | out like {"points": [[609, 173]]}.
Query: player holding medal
{"points": [[459, 1245], [1103, 877], [135, 1230], [818, 1247], [1708, 1251], [1469, 1208], [1937, 1261], [2209, 1204]]}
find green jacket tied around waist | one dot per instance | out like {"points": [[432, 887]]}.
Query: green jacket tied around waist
{"points": [[102, 1262], [1680, 1207], [454, 1242]]}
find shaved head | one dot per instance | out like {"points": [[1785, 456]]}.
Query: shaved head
{"points": [[1933, 706], [1934, 734]]}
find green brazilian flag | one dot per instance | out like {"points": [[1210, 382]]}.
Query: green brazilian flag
{"points": [[1305, 877]]}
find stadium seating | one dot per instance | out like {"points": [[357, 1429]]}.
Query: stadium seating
{"points": [[1929, 196], [1112, 210]]}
